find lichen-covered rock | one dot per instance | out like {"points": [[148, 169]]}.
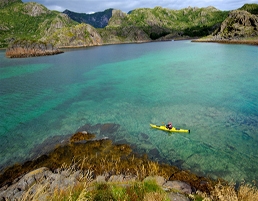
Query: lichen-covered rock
{"points": [[27, 182], [41, 179], [35, 9]]}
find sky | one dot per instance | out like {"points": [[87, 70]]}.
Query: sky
{"points": [[90, 6]]}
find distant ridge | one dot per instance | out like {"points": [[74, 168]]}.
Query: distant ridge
{"points": [[97, 20]]}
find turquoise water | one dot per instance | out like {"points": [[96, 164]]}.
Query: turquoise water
{"points": [[208, 88]]}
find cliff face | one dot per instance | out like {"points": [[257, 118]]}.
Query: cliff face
{"points": [[97, 20], [25, 48], [239, 24], [81, 35]]}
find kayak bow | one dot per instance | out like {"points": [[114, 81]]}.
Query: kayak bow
{"points": [[173, 129]]}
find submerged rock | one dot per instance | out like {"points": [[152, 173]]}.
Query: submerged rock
{"points": [[81, 136]]}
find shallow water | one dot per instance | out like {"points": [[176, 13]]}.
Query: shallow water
{"points": [[205, 87]]}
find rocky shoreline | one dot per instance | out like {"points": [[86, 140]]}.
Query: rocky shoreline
{"points": [[107, 162], [63, 179], [24, 48], [35, 49], [242, 42]]}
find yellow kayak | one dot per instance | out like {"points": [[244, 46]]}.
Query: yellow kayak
{"points": [[173, 129]]}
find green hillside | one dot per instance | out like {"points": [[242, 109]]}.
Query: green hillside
{"points": [[251, 8], [160, 21], [28, 21], [33, 21]]}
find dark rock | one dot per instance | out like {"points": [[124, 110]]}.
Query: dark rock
{"points": [[154, 154], [123, 141], [144, 136], [178, 163], [109, 128]]}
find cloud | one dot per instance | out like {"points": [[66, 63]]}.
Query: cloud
{"points": [[87, 6]]}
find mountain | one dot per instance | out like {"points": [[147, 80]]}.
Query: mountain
{"points": [[97, 20], [30, 21], [33, 21], [157, 22]]}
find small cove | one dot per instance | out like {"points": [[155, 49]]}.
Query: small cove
{"points": [[206, 87]]}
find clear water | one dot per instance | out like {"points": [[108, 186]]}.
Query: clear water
{"points": [[208, 88]]}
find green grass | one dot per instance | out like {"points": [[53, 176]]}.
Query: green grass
{"points": [[130, 191]]}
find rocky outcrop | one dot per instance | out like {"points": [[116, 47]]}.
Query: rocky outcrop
{"points": [[239, 24], [34, 9], [20, 49], [40, 179], [117, 18], [240, 27], [34, 183]]}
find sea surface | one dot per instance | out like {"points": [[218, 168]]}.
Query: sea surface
{"points": [[209, 88]]}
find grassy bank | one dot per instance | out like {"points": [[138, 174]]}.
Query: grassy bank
{"points": [[101, 158], [147, 189]]}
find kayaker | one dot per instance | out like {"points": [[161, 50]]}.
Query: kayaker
{"points": [[169, 125]]}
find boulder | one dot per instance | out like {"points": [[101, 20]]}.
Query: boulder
{"points": [[159, 180], [177, 197], [179, 186]]}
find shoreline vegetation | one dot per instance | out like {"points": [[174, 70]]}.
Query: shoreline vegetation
{"points": [[84, 168]]}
